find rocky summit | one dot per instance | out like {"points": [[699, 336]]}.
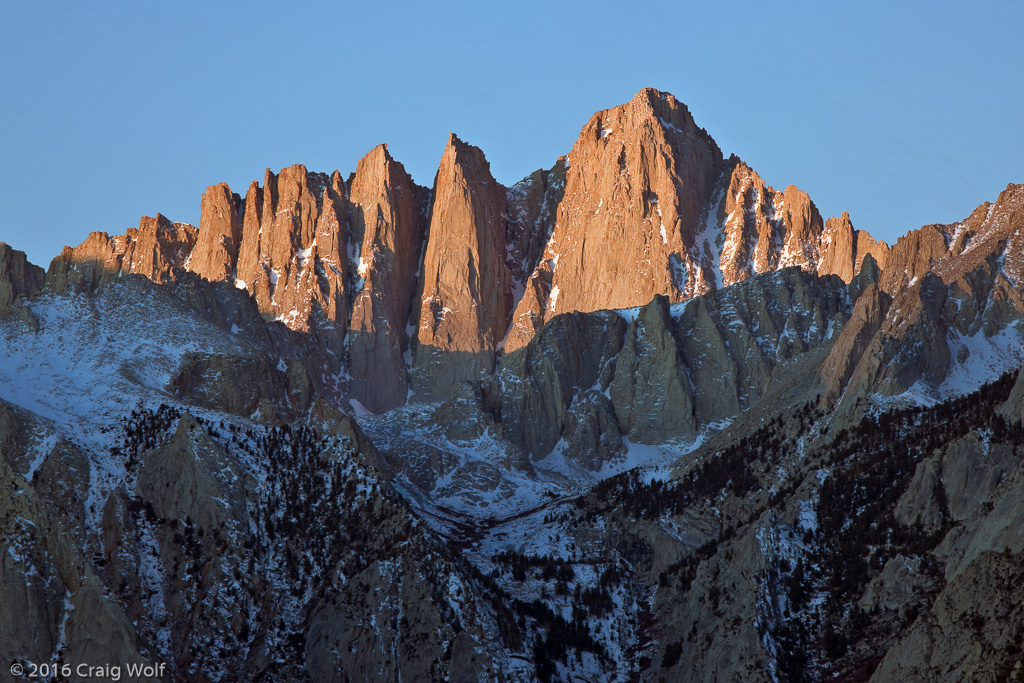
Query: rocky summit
{"points": [[637, 417]]}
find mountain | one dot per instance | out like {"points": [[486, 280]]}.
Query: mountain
{"points": [[639, 416]]}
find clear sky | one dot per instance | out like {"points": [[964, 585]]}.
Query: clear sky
{"points": [[902, 113]]}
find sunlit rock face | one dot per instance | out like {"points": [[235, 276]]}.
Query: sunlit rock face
{"points": [[466, 283]]}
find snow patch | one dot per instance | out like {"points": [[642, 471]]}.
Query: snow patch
{"points": [[553, 298], [986, 359], [358, 409], [629, 314], [711, 237]]}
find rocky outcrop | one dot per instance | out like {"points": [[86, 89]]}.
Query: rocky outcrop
{"points": [[693, 616], [330, 259], [63, 478], [222, 547], [972, 632], [844, 248], [387, 214], [282, 262], [637, 187], [919, 505], [732, 340], [764, 230], [752, 214], [952, 251], [532, 207], [191, 478], [573, 353], [668, 372], [914, 254], [866, 320], [972, 472], [467, 292], [953, 291], [591, 433], [650, 390], [1013, 409], [154, 250], [55, 606], [19, 279], [650, 208], [910, 346], [256, 387], [220, 234]]}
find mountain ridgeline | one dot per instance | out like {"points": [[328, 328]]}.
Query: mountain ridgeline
{"points": [[639, 416], [413, 288]]}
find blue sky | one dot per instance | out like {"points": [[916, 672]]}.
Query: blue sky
{"points": [[900, 113]]}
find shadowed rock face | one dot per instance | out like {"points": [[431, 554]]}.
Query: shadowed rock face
{"points": [[249, 387], [19, 280], [651, 392], [18, 277], [867, 318], [206, 489], [590, 379], [540, 382]]}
